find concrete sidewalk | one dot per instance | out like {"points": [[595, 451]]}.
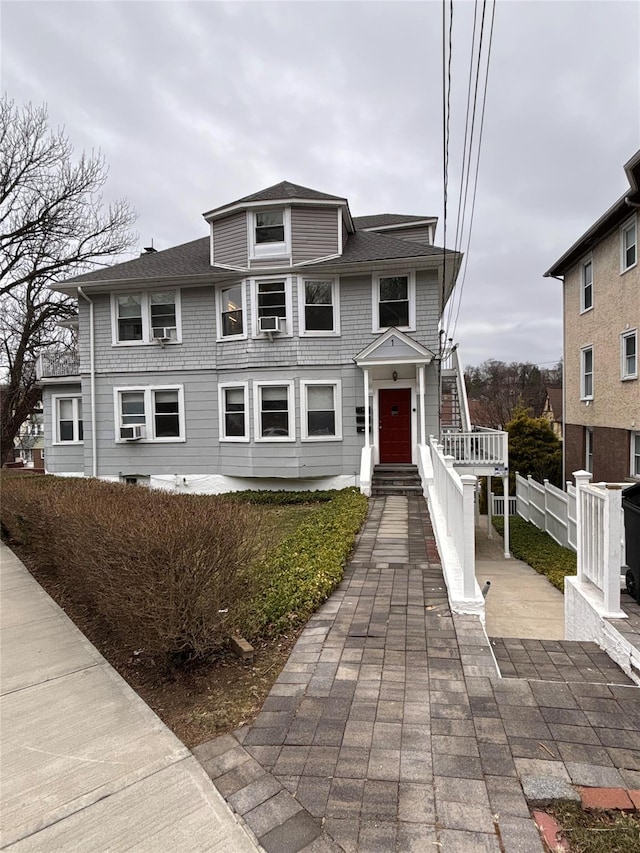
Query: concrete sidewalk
{"points": [[521, 603], [390, 728], [86, 765]]}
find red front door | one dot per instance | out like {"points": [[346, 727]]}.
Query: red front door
{"points": [[395, 424]]}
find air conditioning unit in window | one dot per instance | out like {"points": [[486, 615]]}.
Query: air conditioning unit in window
{"points": [[163, 336], [269, 324], [133, 433]]}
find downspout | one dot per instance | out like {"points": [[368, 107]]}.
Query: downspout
{"points": [[92, 371], [564, 386]]}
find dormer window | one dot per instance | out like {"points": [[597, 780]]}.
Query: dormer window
{"points": [[270, 232]]}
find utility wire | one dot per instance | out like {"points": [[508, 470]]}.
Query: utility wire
{"points": [[475, 186], [446, 114]]}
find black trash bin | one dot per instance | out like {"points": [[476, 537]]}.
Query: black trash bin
{"points": [[631, 507]]}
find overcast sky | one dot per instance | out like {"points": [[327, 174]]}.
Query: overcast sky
{"points": [[197, 104]]}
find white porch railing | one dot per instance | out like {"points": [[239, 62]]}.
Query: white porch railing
{"points": [[58, 364], [497, 504], [486, 447], [451, 505]]}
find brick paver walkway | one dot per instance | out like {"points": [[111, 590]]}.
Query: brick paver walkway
{"points": [[389, 728]]}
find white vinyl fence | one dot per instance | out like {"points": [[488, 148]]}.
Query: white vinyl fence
{"points": [[549, 508], [497, 505]]}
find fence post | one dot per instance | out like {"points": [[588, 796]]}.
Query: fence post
{"points": [[469, 547], [505, 492], [489, 510], [612, 556], [545, 483], [582, 478]]}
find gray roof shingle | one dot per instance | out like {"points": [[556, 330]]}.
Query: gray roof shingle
{"points": [[379, 220], [371, 246], [283, 190]]}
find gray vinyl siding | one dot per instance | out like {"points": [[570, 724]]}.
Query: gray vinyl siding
{"points": [[61, 458], [203, 453], [345, 232], [314, 232], [230, 240], [419, 234]]}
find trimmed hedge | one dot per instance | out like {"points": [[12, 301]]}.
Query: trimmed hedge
{"points": [[308, 564], [177, 574], [539, 550]]}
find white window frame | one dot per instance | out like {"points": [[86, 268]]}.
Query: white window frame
{"points": [[149, 413], [411, 294], [587, 262], [145, 308], [583, 374], [624, 375], [335, 299], [55, 431], [222, 387], [220, 337], [257, 410], [262, 251], [635, 455], [337, 403], [288, 320], [588, 449], [630, 225]]}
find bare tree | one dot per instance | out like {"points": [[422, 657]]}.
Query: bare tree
{"points": [[53, 224]]}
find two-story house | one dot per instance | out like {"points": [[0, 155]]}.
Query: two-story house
{"points": [[283, 349], [601, 298]]}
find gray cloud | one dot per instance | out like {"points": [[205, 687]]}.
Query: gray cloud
{"points": [[196, 104]]}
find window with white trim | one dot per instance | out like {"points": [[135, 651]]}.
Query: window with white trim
{"points": [[629, 354], [321, 418], [628, 245], [67, 420], [588, 449], [394, 302], [157, 412], [586, 291], [144, 318], [233, 406], [635, 454], [318, 307], [270, 233], [272, 298], [274, 411], [231, 316], [586, 373]]}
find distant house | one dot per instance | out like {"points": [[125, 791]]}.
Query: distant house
{"points": [[601, 284], [552, 410], [269, 354]]}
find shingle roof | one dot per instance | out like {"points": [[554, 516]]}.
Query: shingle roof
{"points": [[193, 258], [371, 246], [379, 220], [187, 259], [283, 190]]}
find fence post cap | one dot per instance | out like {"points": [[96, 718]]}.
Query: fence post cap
{"points": [[468, 479]]}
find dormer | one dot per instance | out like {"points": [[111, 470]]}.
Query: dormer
{"points": [[283, 225], [418, 229]]}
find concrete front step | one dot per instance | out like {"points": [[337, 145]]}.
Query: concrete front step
{"points": [[379, 490], [396, 480]]}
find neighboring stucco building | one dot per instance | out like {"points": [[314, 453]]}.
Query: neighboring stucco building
{"points": [[269, 353], [601, 297]]}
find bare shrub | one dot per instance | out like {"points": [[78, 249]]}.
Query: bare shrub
{"points": [[171, 573]]}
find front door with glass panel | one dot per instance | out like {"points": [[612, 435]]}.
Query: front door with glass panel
{"points": [[394, 416]]}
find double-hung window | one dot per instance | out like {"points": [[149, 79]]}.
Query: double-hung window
{"points": [[586, 291], [635, 454], [318, 301], [586, 373], [394, 302], [272, 299], [274, 411], [321, 418], [232, 312], [269, 233], [629, 354], [234, 414], [150, 413], [629, 245], [143, 318], [67, 420]]}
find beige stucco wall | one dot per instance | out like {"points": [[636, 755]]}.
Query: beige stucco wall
{"points": [[616, 309]]}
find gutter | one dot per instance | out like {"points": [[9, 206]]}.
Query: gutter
{"points": [[92, 370]]}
